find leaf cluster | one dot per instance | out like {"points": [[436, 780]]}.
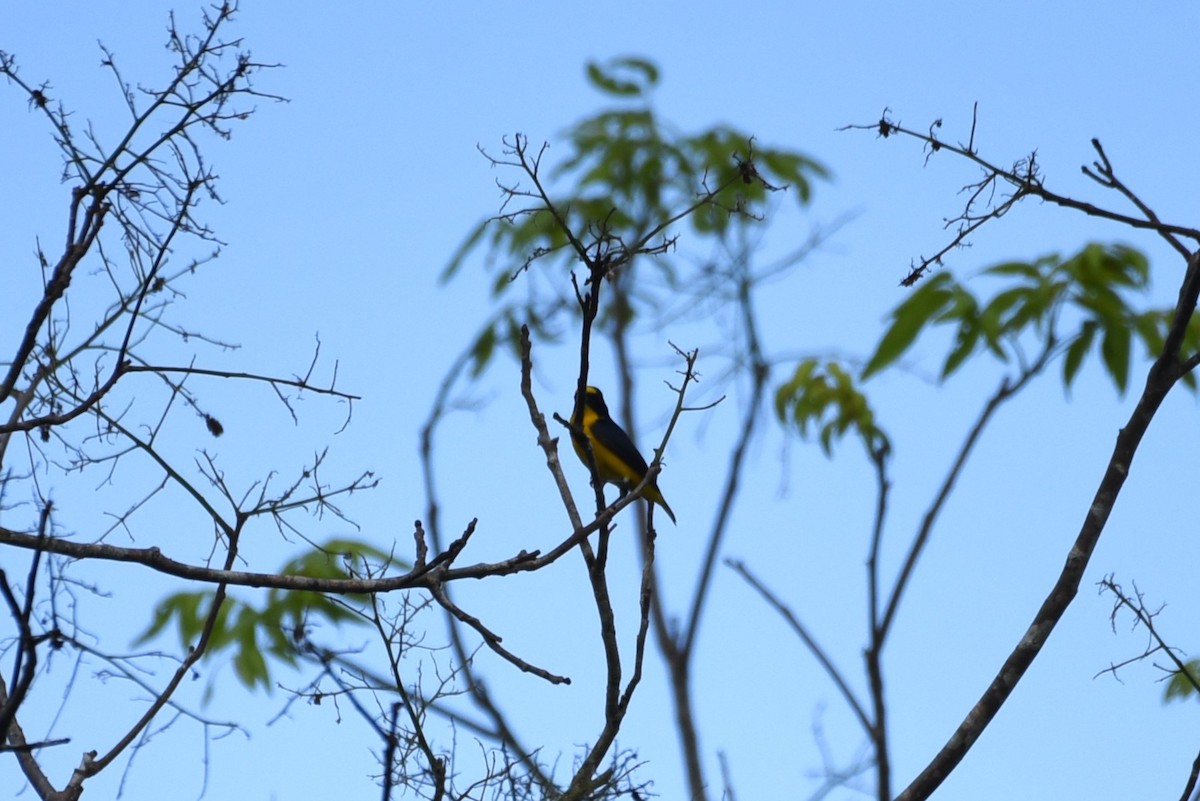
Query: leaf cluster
{"points": [[626, 172], [1184, 683], [1078, 307], [1084, 304], [279, 628], [825, 397]]}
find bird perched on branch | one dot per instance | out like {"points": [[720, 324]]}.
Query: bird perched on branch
{"points": [[617, 458]]}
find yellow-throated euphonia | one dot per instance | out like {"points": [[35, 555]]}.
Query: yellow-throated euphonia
{"points": [[617, 459]]}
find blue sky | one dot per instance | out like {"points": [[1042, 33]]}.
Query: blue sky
{"points": [[344, 204]]}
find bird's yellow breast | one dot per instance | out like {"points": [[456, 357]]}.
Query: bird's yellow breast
{"points": [[611, 467], [616, 458]]}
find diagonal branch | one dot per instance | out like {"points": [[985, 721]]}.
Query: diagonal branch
{"points": [[1162, 376], [809, 641], [93, 764], [1007, 389]]}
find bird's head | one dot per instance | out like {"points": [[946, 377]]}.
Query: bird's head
{"points": [[593, 400]]}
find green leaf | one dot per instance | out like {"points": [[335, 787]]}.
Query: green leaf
{"points": [[1043, 303], [641, 74], [1137, 265], [250, 666], [789, 393], [1077, 350], [252, 633], [1109, 265], [962, 307], [1184, 684], [621, 172], [824, 395], [907, 321], [793, 169], [1024, 269], [995, 318], [1114, 348], [965, 342], [1151, 329], [481, 351], [185, 609], [1107, 306], [163, 613]]}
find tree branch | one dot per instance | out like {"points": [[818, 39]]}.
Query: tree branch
{"points": [[809, 642], [1026, 181], [1007, 389], [1161, 377]]}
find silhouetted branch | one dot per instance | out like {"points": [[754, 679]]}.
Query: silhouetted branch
{"points": [[1007, 389], [1023, 179], [1162, 376], [809, 642], [1145, 618]]}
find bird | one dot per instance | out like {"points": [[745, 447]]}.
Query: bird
{"points": [[617, 458]]}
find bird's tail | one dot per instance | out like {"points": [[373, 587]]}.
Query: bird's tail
{"points": [[652, 494]]}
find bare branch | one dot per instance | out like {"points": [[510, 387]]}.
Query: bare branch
{"points": [[809, 642], [1024, 180], [1007, 389]]}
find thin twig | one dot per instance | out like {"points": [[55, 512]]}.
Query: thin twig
{"points": [[806, 637], [1007, 389]]}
